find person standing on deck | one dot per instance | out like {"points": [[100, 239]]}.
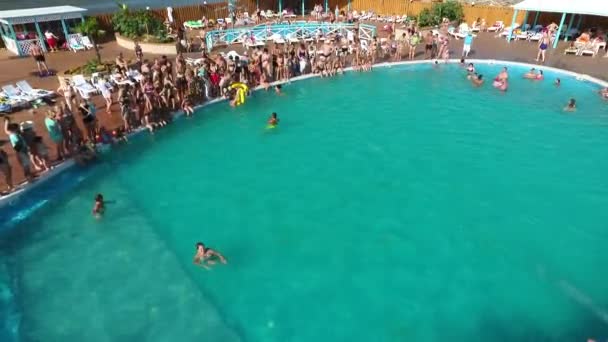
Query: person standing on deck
{"points": [[468, 40], [38, 54]]}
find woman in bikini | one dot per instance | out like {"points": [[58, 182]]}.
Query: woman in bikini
{"points": [[68, 93]]}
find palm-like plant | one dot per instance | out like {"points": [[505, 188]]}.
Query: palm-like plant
{"points": [[90, 28]]}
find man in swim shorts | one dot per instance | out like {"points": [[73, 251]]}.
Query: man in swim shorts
{"points": [[206, 257]]}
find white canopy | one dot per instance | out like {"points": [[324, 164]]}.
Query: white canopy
{"points": [[588, 7], [40, 14]]}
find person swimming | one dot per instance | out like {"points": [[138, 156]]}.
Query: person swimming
{"points": [[604, 93], [477, 80], [273, 120], [558, 82], [277, 89], [531, 74], [571, 106], [206, 256], [471, 68], [98, 207], [501, 81]]}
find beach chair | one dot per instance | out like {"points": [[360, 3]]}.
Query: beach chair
{"points": [[522, 35], [27, 89], [498, 26], [535, 37], [75, 45], [86, 42], [84, 88], [571, 50], [591, 50], [15, 96]]}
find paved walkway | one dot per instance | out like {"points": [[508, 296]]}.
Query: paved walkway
{"points": [[485, 46]]}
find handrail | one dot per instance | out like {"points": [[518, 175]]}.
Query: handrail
{"points": [[298, 30]]}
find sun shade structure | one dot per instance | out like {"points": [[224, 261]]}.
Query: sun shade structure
{"points": [[18, 37], [588, 7], [571, 7]]}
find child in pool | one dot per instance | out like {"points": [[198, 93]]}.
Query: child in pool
{"points": [[98, 207], [273, 120], [571, 106]]}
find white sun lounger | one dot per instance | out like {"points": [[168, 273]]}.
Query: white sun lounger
{"points": [[27, 89], [86, 42], [83, 87], [75, 45], [15, 95], [499, 25]]}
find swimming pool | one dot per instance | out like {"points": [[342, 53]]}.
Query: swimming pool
{"points": [[388, 206]]}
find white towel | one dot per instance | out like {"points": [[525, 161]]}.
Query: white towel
{"points": [[170, 14]]}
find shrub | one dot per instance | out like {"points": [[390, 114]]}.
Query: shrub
{"points": [[450, 9], [138, 23]]}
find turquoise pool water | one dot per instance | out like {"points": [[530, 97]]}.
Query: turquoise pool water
{"points": [[398, 205]]}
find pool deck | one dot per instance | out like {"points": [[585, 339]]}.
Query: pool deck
{"points": [[485, 46]]}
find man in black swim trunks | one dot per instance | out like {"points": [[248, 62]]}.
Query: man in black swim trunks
{"points": [[38, 54]]}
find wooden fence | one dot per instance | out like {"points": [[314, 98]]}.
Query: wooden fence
{"points": [[388, 7]]}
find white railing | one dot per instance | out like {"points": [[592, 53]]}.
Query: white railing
{"points": [[24, 45], [299, 30]]}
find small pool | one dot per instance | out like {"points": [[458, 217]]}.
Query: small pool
{"points": [[398, 205]]}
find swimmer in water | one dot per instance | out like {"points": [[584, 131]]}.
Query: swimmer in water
{"points": [[98, 207], [571, 106], [477, 80], [206, 257], [273, 120], [531, 74], [604, 93], [558, 82], [470, 69], [277, 89]]}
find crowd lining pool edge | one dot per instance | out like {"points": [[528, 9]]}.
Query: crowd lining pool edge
{"points": [[67, 165]]}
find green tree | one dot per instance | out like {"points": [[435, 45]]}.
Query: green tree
{"points": [[450, 9], [90, 28]]}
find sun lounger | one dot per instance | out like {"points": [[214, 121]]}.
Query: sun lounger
{"points": [[83, 87], [592, 49], [75, 45], [14, 97], [499, 25], [27, 89], [15, 94], [535, 37], [523, 35], [86, 42]]}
